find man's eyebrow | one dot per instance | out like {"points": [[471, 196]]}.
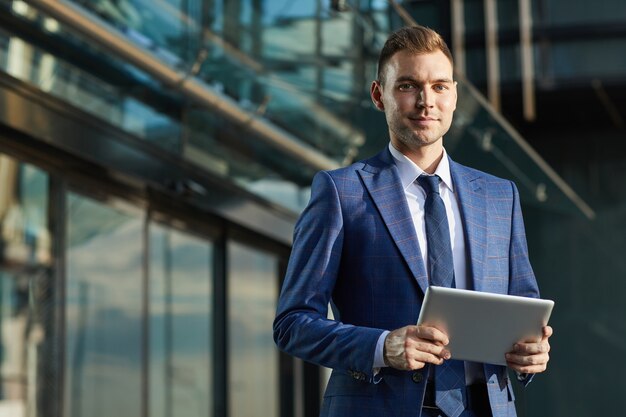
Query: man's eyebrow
{"points": [[406, 78]]}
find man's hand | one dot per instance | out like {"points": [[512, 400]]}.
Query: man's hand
{"points": [[531, 357], [412, 347]]}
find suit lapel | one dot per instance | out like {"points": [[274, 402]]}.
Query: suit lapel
{"points": [[469, 185], [380, 177]]}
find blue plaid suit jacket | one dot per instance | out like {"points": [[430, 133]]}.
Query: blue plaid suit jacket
{"points": [[355, 247]]}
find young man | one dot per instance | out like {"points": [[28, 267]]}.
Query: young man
{"points": [[377, 233]]}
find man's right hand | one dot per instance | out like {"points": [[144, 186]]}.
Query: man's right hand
{"points": [[412, 347]]}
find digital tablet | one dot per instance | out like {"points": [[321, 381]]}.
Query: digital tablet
{"points": [[482, 326]]}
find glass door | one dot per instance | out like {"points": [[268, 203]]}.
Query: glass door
{"points": [[104, 298], [180, 323], [27, 290], [253, 385], [138, 314]]}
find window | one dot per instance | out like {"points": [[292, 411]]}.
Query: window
{"points": [[26, 290], [180, 314], [253, 357], [103, 360]]}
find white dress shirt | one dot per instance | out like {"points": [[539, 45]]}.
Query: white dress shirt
{"points": [[416, 197]]}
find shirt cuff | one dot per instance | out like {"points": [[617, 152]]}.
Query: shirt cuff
{"points": [[379, 358]]}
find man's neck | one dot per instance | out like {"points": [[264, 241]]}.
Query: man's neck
{"points": [[426, 157]]}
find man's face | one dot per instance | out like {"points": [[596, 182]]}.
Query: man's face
{"points": [[418, 98]]}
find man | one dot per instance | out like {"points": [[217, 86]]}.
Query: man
{"points": [[366, 243]]}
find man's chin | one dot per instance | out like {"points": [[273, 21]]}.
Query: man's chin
{"points": [[420, 141]]}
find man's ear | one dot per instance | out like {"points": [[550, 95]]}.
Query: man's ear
{"points": [[376, 93]]}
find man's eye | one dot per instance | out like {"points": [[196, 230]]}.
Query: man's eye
{"points": [[440, 87], [406, 87]]}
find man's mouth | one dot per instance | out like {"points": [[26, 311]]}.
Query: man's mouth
{"points": [[423, 120]]}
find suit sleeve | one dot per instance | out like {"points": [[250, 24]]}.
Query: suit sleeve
{"points": [[301, 326], [522, 278]]}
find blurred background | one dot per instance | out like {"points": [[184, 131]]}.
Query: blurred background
{"points": [[155, 155]]}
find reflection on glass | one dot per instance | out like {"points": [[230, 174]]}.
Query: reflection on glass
{"points": [[103, 311], [253, 358], [25, 333], [89, 92], [180, 324], [479, 139]]}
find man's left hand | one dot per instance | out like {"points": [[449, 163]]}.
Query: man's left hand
{"points": [[530, 357]]}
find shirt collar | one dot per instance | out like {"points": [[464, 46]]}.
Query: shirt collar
{"points": [[409, 171]]}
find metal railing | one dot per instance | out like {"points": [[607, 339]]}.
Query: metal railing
{"points": [[116, 43]]}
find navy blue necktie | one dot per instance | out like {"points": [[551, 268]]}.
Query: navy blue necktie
{"points": [[450, 376], [440, 265]]}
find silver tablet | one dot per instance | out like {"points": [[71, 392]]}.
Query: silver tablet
{"points": [[482, 326]]}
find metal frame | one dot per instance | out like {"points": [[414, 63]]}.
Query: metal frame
{"points": [[113, 41], [220, 332], [50, 123], [156, 208], [58, 227], [145, 321]]}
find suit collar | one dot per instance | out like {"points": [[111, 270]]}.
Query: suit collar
{"points": [[409, 171], [471, 193], [381, 178]]}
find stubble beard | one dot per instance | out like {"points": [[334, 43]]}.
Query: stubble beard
{"points": [[412, 138]]}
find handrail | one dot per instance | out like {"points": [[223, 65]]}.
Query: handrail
{"points": [[111, 39], [515, 135]]}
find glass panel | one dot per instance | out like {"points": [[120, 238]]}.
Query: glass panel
{"points": [[568, 12], [180, 324], [26, 292], [584, 59], [478, 140], [306, 70], [253, 357], [107, 88], [87, 90], [104, 310]]}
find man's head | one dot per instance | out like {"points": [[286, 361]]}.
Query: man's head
{"points": [[415, 88], [414, 39]]}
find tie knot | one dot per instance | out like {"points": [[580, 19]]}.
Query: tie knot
{"points": [[430, 183]]}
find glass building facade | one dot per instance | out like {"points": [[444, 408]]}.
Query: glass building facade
{"points": [[155, 155]]}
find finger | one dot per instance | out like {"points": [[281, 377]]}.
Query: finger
{"points": [[404, 352], [528, 360], [424, 346], [414, 360], [414, 365], [531, 348], [417, 360], [527, 369], [430, 333], [547, 332]]}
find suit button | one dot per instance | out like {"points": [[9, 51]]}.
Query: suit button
{"points": [[417, 377], [359, 376]]}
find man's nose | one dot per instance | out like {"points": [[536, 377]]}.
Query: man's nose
{"points": [[424, 98]]}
